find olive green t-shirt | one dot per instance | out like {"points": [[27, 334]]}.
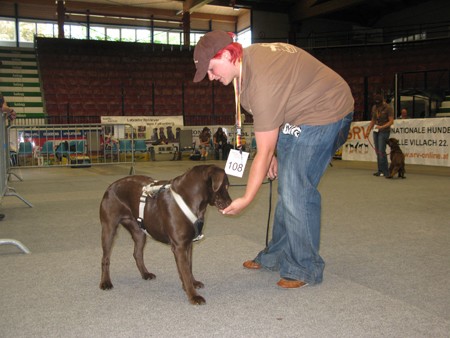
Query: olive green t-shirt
{"points": [[382, 114], [282, 83]]}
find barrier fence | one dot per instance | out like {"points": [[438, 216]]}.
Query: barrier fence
{"points": [[85, 145], [75, 145], [5, 190]]}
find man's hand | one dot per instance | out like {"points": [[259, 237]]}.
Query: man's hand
{"points": [[272, 174], [235, 207]]}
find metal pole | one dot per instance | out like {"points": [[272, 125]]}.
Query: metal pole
{"points": [[4, 166], [397, 96]]}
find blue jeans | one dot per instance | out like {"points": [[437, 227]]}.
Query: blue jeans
{"points": [[380, 140], [302, 160]]}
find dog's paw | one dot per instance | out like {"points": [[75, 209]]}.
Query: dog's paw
{"points": [[198, 284], [106, 285], [148, 276], [197, 300]]}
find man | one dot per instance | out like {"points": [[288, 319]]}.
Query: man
{"points": [[303, 110], [403, 114], [381, 122], [11, 115]]}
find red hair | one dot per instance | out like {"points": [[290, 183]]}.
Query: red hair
{"points": [[235, 49]]}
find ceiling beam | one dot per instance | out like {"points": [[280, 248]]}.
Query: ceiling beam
{"points": [[192, 5], [260, 5], [307, 9]]}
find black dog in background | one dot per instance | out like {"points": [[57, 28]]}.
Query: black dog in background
{"points": [[397, 159]]}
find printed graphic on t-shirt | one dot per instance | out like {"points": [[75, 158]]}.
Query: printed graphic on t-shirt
{"points": [[280, 47]]}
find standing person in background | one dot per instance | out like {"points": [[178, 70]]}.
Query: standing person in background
{"points": [[220, 140], [302, 110], [381, 122], [204, 142], [10, 115]]}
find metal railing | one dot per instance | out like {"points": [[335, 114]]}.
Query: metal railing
{"points": [[75, 145], [5, 190], [396, 36]]}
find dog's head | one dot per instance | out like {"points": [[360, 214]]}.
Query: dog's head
{"points": [[219, 187], [205, 184], [392, 142]]}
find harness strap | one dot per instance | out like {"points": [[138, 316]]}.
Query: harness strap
{"points": [[198, 223], [142, 201], [151, 191], [183, 206]]}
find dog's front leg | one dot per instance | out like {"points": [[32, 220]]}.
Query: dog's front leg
{"points": [[182, 258], [197, 284]]}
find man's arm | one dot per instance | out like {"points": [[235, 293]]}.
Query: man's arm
{"points": [[266, 143]]}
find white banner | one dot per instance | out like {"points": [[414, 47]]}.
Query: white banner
{"points": [[423, 141], [143, 125]]}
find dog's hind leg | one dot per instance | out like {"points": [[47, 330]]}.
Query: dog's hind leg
{"points": [[139, 238], [393, 171], [108, 233]]}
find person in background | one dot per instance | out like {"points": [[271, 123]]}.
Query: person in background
{"points": [[220, 140], [162, 137], [204, 142], [10, 115], [302, 111], [403, 114], [170, 135], [381, 122]]}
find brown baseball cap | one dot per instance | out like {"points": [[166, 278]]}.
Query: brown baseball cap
{"points": [[208, 46]]}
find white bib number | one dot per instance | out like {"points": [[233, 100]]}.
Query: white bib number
{"points": [[236, 162]]}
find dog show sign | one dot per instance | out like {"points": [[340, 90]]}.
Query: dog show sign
{"points": [[423, 141], [143, 126]]}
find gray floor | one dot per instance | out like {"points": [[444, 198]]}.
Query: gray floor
{"points": [[386, 244]]}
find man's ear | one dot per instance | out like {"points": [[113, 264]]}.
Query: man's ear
{"points": [[226, 55]]}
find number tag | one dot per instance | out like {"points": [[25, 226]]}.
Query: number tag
{"points": [[236, 162]]}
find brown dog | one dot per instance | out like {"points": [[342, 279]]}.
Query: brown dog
{"points": [[163, 217], [397, 159]]}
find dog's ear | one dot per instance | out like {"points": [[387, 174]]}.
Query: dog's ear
{"points": [[218, 177]]}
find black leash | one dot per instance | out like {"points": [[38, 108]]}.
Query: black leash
{"points": [[270, 211], [270, 206], [376, 150]]}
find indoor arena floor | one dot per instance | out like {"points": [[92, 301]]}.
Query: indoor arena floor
{"points": [[386, 244]]}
